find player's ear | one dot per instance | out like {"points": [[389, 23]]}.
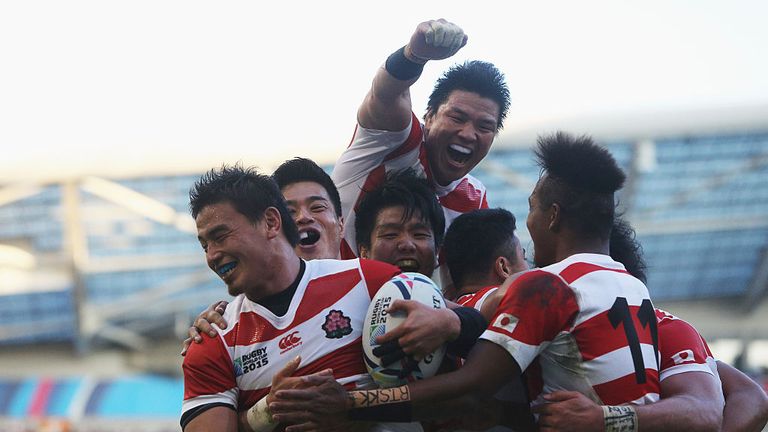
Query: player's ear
{"points": [[502, 267], [273, 222], [555, 217]]}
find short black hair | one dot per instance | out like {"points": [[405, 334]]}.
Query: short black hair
{"points": [[474, 240], [405, 189], [627, 250], [248, 191], [581, 178], [474, 76], [302, 169]]}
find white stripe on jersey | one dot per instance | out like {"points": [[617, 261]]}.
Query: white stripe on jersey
{"points": [[608, 367]]}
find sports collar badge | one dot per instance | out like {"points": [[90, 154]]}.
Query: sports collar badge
{"points": [[336, 325]]}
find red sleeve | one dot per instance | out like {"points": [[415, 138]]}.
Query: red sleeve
{"points": [[484, 203], [680, 345], [376, 274], [208, 369], [536, 307]]}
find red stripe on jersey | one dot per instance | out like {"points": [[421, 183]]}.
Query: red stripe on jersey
{"points": [[327, 288], [626, 388], [207, 369], [470, 300], [376, 274], [597, 336], [346, 361], [375, 178], [543, 304], [424, 161], [577, 270], [415, 138], [346, 250], [464, 198], [484, 204]]}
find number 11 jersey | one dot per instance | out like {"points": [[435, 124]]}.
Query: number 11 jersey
{"points": [[588, 323]]}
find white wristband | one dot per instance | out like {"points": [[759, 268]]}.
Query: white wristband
{"points": [[259, 417], [620, 418]]}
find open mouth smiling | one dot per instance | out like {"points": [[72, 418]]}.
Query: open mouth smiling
{"points": [[309, 237], [226, 269], [459, 154], [408, 264]]}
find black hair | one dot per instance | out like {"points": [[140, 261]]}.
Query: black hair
{"points": [[581, 177], [626, 249], [404, 189], [301, 169], [474, 76], [474, 240], [248, 191]]}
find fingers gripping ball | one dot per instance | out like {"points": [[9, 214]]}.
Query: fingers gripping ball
{"points": [[405, 286]]}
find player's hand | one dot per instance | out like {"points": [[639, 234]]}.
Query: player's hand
{"points": [[435, 40], [283, 380], [424, 330], [568, 411], [319, 404], [204, 324]]}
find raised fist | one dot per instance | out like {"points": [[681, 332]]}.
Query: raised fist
{"points": [[435, 40]]}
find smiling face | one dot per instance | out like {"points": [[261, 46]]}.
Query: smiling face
{"points": [[320, 229], [235, 248], [459, 135], [409, 245]]}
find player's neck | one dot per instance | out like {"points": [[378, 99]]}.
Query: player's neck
{"points": [[582, 245], [279, 273]]}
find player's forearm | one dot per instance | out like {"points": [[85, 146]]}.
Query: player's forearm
{"points": [[745, 411], [387, 106], [404, 403], [741, 392], [680, 413]]}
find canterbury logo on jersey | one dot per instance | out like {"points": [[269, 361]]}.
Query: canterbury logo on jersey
{"points": [[289, 342], [251, 361], [684, 356]]}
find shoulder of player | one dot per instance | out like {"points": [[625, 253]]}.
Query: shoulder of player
{"points": [[535, 285]]}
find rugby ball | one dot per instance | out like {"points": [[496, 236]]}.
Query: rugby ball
{"points": [[405, 286]]}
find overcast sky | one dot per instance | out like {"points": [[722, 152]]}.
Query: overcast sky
{"points": [[106, 87]]}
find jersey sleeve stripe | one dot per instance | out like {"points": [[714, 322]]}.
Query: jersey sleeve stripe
{"points": [[415, 137]]}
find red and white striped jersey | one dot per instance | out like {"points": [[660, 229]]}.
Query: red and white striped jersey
{"points": [[477, 298], [373, 153], [591, 325], [682, 349], [323, 324]]}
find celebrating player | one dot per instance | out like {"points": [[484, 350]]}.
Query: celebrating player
{"points": [[691, 398], [587, 322], [284, 306], [465, 112]]}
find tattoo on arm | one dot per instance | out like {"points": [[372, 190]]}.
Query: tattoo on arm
{"points": [[371, 398]]}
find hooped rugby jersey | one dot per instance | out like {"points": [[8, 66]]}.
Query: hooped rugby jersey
{"points": [[682, 348], [373, 153], [477, 298], [323, 324], [591, 325]]}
